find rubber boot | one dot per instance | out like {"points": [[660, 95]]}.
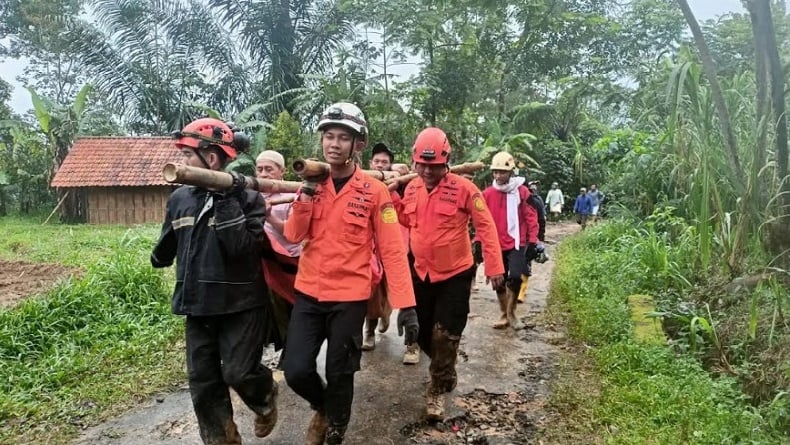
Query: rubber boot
{"points": [[503, 320], [369, 342], [316, 431], [412, 354], [512, 301], [522, 293], [264, 424]]}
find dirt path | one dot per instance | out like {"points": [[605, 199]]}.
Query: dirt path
{"points": [[502, 385]]}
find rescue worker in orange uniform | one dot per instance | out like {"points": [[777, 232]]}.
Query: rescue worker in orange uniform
{"points": [[379, 310], [340, 218], [517, 224], [216, 239], [436, 207]]}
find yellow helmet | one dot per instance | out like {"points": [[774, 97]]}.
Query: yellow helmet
{"points": [[503, 161]]}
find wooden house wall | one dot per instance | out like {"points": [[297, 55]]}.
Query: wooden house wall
{"points": [[127, 205]]}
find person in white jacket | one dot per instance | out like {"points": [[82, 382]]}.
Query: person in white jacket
{"points": [[555, 200]]}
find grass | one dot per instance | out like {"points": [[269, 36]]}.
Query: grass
{"points": [[92, 346], [620, 391], [25, 239]]}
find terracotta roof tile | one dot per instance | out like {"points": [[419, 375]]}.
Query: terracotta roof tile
{"points": [[116, 161]]}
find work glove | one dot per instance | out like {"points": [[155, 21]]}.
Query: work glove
{"points": [[532, 251], [238, 186], [541, 256], [407, 319], [308, 187]]}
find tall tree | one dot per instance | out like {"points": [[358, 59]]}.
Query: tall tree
{"points": [[718, 97]]}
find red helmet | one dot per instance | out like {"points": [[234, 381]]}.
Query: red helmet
{"points": [[204, 132], [431, 147]]}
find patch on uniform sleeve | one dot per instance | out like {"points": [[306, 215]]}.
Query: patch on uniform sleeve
{"points": [[388, 214], [479, 204]]}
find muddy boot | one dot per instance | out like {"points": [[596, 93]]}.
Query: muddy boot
{"points": [[316, 431], [512, 301], [522, 293], [503, 321], [369, 342], [412, 354], [264, 423], [434, 406], [335, 434]]}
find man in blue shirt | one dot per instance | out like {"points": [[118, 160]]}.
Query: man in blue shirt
{"points": [[597, 199], [583, 208]]}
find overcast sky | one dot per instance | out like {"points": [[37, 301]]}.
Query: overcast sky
{"points": [[20, 100]]}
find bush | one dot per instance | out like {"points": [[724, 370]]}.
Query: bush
{"points": [[648, 393]]}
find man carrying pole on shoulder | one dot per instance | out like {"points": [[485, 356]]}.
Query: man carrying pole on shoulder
{"points": [[436, 207], [340, 217], [217, 238]]}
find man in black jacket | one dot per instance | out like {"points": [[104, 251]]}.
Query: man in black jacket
{"points": [[217, 238]]}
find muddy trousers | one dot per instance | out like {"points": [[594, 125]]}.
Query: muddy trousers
{"points": [[225, 351], [340, 324], [442, 310]]}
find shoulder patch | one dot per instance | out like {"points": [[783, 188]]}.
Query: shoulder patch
{"points": [[388, 214], [479, 204]]}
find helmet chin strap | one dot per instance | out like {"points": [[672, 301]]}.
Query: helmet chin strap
{"points": [[202, 159]]}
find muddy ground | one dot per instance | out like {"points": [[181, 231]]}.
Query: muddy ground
{"points": [[503, 383], [19, 280]]}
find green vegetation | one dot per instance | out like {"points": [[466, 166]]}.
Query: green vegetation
{"points": [[648, 393], [91, 346]]}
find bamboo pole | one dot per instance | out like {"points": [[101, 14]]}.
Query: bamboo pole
{"points": [[60, 203], [281, 200], [218, 180], [460, 169], [310, 168]]}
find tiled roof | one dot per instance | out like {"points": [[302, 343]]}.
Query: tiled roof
{"points": [[116, 161]]}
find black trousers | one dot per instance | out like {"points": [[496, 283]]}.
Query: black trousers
{"points": [[445, 303], [515, 265], [340, 324], [225, 351]]}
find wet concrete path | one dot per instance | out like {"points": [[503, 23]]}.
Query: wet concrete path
{"points": [[503, 381]]}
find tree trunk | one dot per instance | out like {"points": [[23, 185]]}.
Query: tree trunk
{"points": [[718, 96], [763, 11]]}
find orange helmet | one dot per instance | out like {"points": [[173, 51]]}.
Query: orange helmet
{"points": [[431, 147], [204, 132]]}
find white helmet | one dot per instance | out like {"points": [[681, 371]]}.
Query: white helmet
{"points": [[503, 161], [345, 114]]}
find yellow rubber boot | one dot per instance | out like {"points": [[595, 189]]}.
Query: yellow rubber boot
{"points": [[522, 293]]}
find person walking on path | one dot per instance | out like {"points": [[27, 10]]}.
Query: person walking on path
{"points": [[217, 239], [379, 310], [516, 222], [340, 218], [596, 197], [555, 200], [582, 207], [436, 207]]}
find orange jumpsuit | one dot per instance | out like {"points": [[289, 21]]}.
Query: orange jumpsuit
{"points": [[339, 231], [439, 239], [438, 231]]}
